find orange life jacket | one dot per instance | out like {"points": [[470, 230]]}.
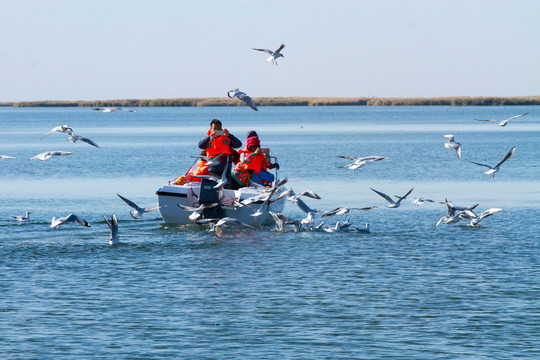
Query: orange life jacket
{"points": [[220, 144], [201, 170]]}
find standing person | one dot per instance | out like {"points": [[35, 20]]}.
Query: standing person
{"points": [[219, 141]]}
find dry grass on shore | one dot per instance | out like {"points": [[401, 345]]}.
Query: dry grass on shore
{"points": [[290, 101]]}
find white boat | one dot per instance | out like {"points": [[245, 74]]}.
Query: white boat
{"points": [[189, 194]]}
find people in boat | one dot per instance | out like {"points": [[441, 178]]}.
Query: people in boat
{"points": [[263, 176], [252, 160], [219, 141]]}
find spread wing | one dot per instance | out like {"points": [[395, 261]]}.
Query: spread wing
{"points": [[388, 198], [510, 153], [270, 52]]}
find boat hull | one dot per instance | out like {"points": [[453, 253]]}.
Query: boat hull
{"points": [[170, 195]]}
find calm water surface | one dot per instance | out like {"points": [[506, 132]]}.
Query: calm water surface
{"points": [[402, 291]]}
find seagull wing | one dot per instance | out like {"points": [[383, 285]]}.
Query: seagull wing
{"points": [[488, 212], [270, 52], [507, 156], [58, 128], [303, 206], [347, 157], [388, 198], [479, 164], [279, 49], [86, 140], [248, 100], [364, 208], [310, 194], [130, 203], [488, 120], [515, 117], [74, 218]]}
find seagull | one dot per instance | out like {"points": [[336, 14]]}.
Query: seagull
{"points": [[492, 170], [138, 212], [393, 204], [358, 162], [74, 138], [23, 217], [294, 197], [282, 220], [452, 216], [282, 182], [112, 109], [475, 219], [62, 128], [48, 154], [366, 229], [210, 161], [55, 223], [420, 201], [196, 210], [344, 210], [451, 144], [218, 227], [236, 93], [3, 157], [113, 225], [273, 54], [338, 227], [504, 122]]}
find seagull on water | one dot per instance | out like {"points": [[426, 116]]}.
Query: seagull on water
{"points": [[273, 54], [137, 212], [504, 122], [48, 154], [23, 217], [451, 144], [56, 222], [113, 226], [236, 93], [393, 204], [62, 128], [493, 169], [3, 157], [218, 226]]}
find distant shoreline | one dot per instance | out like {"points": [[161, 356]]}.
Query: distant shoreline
{"points": [[289, 101]]}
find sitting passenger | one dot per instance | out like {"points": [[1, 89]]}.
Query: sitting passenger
{"points": [[263, 177], [251, 161]]}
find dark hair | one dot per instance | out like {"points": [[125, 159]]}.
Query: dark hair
{"points": [[215, 121]]}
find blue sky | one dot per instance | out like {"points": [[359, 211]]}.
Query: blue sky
{"points": [[88, 50]]}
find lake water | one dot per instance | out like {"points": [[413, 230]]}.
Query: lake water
{"points": [[403, 291]]}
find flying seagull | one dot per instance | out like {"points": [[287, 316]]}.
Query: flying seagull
{"points": [[393, 204], [236, 93], [48, 154], [493, 169], [113, 226], [504, 122], [273, 54], [23, 217], [358, 162], [475, 219], [62, 128], [451, 144], [345, 210], [137, 212], [112, 109], [74, 138], [55, 223]]}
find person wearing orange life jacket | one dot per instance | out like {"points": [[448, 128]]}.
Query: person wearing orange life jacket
{"points": [[251, 161], [263, 176], [219, 141]]}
